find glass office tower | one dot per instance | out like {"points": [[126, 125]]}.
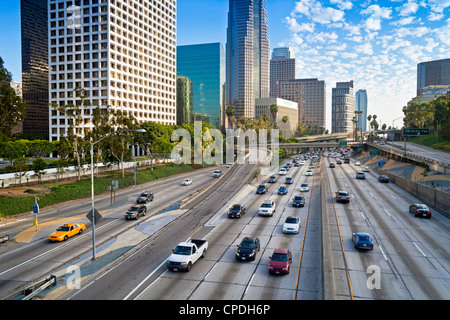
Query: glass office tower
{"points": [[361, 105], [204, 65], [247, 61], [34, 32]]}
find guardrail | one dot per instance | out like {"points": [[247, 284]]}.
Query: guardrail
{"points": [[29, 291]]}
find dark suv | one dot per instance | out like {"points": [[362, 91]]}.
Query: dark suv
{"points": [[261, 189], [136, 211], [342, 196], [236, 211], [299, 201], [145, 197], [247, 249]]}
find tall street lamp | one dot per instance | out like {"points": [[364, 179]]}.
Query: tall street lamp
{"points": [[92, 184]]}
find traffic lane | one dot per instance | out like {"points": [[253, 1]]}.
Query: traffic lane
{"points": [[40, 258], [148, 263], [222, 246], [401, 250], [423, 151]]}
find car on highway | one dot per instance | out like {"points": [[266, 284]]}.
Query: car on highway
{"points": [[299, 201], [357, 163], [217, 173], [267, 208], [342, 196], [366, 169], [66, 231], [272, 179], [420, 210], [304, 187], [302, 162], [360, 175], [280, 261], [383, 178], [308, 173], [291, 225], [338, 161], [135, 212], [262, 188], [186, 254], [247, 249], [236, 211], [186, 182], [332, 165], [145, 197], [282, 172], [282, 190], [297, 164], [362, 240], [288, 180]]}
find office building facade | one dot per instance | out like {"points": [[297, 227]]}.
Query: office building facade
{"points": [[184, 100], [285, 108], [247, 55], [433, 73], [123, 53], [361, 105], [281, 69], [204, 65], [310, 94], [34, 34], [342, 107]]}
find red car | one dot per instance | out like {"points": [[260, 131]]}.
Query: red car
{"points": [[280, 261]]}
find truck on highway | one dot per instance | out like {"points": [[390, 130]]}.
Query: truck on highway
{"points": [[186, 254]]}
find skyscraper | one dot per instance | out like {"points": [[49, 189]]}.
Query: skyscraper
{"points": [[361, 105], [34, 30], [342, 107], [282, 68], [123, 53], [204, 65], [247, 55], [433, 73]]}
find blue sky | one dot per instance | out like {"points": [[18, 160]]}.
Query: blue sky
{"points": [[375, 43]]}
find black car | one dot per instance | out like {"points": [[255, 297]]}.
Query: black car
{"points": [[236, 211], [261, 189], [383, 179], [247, 249], [272, 179], [298, 201], [288, 180], [332, 165], [420, 210], [136, 211], [145, 197], [342, 196]]}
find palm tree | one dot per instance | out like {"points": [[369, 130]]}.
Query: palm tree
{"points": [[230, 112]]}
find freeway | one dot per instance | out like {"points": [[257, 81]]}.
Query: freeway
{"points": [[422, 151], [410, 258]]}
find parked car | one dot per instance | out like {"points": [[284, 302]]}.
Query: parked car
{"points": [[304, 187], [299, 201], [267, 208], [236, 211], [247, 249], [261, 189], [420, 210], [360, 175], [362, 240], [186, 182], [342, 196], [280, 261], [66, 231], [383, 179], [217, 173], [288, 180], [272, 179], [145, 197], [291, 225], [136, 211], [282, 190]]}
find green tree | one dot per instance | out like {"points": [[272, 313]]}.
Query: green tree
{"points": [[39, 166]]}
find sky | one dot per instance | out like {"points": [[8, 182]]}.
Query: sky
{"points": [[375, 43]]}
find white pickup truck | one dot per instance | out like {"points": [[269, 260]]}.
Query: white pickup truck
{"points": [[186, 254]]}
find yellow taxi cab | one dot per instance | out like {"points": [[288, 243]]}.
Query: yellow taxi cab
{"points": [[66, 231]]}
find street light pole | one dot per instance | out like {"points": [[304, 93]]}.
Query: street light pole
{"points": [[92, 185]]}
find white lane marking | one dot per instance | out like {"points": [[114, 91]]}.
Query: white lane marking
{"points": [[419, 249], [384, 255], [387, 213], [143, 281]]}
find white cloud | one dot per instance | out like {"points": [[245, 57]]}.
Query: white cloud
{"points": [[323, 37], [438, 6], [343, 4], [413, 32], [403, 22], [435, 16], [408, 8], [314, 10], [295, 27], [365, 48], [378, 12]]}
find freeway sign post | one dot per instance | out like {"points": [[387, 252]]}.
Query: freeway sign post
{"points": [[416, 132]]}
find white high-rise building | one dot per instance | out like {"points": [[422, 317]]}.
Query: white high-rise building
{"points": [[123, 53]]}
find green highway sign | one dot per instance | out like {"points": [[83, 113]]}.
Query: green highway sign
{"points": [[374, 152], [416, 132], [342, 143]]}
